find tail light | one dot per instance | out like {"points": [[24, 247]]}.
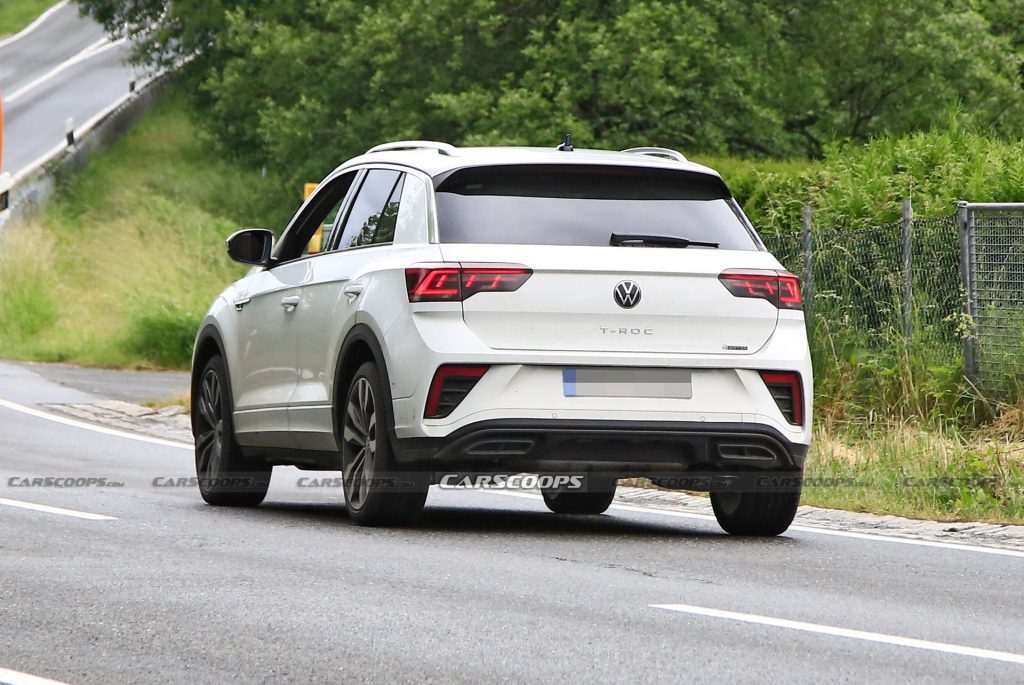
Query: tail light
{"points": [[781, 288], [457, 282], [449, 387], [787, 391]]}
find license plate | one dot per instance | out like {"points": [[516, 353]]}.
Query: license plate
{"points": [[613, 381]]}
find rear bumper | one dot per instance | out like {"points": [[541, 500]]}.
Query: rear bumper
{"points": [[626, 448]]}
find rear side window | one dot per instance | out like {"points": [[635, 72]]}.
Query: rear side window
{"points": [[585, 205], [370, 210]]}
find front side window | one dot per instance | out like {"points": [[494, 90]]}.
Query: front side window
{"points": [[312, 228], [321, 237]]}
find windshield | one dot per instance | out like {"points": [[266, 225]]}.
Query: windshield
{"points": [[585, 205]]}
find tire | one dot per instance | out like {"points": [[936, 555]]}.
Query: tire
{"points": [[594, 498], [755, 513], [226, 478], [374, 493]]}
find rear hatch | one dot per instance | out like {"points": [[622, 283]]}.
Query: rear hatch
{"points": [[560, 222], [569, 302]]}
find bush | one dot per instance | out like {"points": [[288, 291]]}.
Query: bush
{"points": [[861, 186], [162, 332]]}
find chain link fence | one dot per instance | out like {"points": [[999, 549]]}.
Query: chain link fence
{"points": [[876, 283], [992, 244], [950, 284]]}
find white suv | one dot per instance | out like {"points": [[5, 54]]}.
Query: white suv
{"points": [[433, 310]]}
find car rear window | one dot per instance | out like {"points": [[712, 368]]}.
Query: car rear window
{"points": [[585, 205]]}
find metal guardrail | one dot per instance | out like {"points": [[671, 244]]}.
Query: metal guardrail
{"points": [[31, 188]]}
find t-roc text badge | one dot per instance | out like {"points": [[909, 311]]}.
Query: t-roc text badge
{"points": [[627, 294]]}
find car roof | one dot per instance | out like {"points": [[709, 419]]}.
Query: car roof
{"points": [[440, 158]]}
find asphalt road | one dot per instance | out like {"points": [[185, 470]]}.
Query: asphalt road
{"points": [[489, 587], [138, 387], [62, 68]]}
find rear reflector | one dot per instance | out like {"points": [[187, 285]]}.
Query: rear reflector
{"points": [[456, 282], [451, 384], [781, 288], [787, 391]]}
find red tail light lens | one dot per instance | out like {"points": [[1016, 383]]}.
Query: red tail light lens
{"points": [[787, 391], [456, 282], [438, 284], [781, 288], [451, 384]]}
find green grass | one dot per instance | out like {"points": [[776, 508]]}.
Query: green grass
{"points": [[17, 14], [120, 268], [940, 475]]}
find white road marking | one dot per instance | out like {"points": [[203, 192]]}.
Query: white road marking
{"points": [[32, 506], [14, 406], [872, 537], [97, 48], [34, 25], [897, 640]]}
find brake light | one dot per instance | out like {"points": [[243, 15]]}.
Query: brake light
{"points": [[433, 285], [450, 385], [787, 391], [457, 282], [781, 288]]}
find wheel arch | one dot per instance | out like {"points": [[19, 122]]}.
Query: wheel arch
{"points": [[360, 346], [209, 344]]}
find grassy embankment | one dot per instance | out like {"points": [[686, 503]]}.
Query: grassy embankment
{"points": [[17, 14], [120, 267]]}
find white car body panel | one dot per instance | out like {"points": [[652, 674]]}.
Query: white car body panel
{"points": [[283, 361]]}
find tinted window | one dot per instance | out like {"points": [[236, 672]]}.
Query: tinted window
{"points": [[311, 229], [321, 237], [365, 216], [385, 232], [581, 205]]}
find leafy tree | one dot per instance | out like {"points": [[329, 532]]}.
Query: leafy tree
{"points": [[881, 66], [302, 84]]}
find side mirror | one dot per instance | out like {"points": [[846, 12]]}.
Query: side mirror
{"points": [[251, 246]]}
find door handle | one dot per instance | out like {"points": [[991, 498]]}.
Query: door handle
{"points": [[291, 302], [241, 302]]}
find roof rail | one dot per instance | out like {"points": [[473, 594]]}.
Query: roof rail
{"points": [[442, 148], [658, 152]]}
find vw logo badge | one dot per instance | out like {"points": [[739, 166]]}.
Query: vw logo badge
{"points": [[627, 294]]}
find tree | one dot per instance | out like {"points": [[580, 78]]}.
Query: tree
{"points": [[303, 84], [893, 66]]}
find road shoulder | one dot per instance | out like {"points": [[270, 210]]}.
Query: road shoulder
{"points": [[173, 423]]}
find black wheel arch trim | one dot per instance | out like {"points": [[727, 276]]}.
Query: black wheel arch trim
{"points": [[207, 333], [362, 333]]}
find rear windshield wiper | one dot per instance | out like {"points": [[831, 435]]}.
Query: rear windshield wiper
{"points": [[637, 240]]}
